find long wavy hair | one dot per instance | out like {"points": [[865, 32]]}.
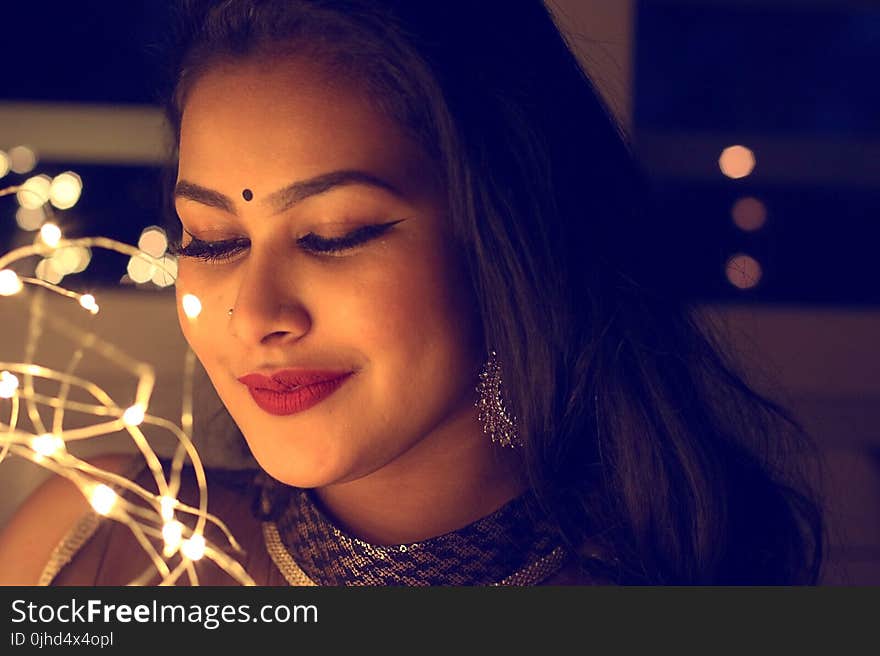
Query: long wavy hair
{"points": [[641, 432]]}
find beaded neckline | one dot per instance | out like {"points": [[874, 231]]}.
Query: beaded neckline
{"points": [[508, 547]]}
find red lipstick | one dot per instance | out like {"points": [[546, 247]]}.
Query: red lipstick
{"points": [[292, 390]]}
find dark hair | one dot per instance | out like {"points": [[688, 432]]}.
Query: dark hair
{"points": [[642, 435]]}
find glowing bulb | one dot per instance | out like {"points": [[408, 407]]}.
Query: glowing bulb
{"points": [[10, 283], [133, 416], [172, 534], [192, 306], [737, 162], [47, 445], [103, 499], [4, 163], [743, 271], [50, 234], [153, 241], [194, 548], [65, 190], [22, 159], [88, 302], [34, 192], [167, 504], [8, 385]]}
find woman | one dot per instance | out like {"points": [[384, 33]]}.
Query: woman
{"points": [[422, 216]]}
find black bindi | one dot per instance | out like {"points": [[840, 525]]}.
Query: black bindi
{"points": [[247, 194]]}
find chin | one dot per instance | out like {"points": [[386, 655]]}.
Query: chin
{"points": [[296, 467]]}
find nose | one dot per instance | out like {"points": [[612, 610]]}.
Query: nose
{"points": [[268, 309]]}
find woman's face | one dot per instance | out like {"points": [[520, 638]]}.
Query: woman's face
{"points": [[395, 309]]}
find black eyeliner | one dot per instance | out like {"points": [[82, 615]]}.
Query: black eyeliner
{"points": [[227, 248]]}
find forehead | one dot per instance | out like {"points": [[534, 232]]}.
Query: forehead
{"points": [[281, 120]]}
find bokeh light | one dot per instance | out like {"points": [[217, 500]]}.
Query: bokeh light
{"points": [[65, 190], [737, 162], [167, 276], [140, 269], [34, 192], [46, 270], [749, 214], [22, 159], [71, 259], [5, 163], [153, 241], [30, 219], [743, 271]]}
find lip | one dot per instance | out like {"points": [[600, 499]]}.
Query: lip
{"points": [[290, 391]]}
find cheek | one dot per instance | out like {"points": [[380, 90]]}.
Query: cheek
{"points": [[416, 315], [202, 331]]}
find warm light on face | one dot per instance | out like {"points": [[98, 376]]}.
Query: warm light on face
{"points": [[192, 306], [103, 499], [396, 307], [737, 162]]}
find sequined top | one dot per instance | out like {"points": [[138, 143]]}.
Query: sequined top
{"points": [[300, 545]]}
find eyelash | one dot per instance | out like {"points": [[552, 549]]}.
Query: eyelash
{"points": [[214, 251]]}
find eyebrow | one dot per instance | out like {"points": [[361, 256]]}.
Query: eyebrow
{"points": [[288, 196]]}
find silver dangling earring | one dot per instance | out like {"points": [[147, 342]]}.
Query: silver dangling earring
{"points": [[230, 312], [494, 416]]}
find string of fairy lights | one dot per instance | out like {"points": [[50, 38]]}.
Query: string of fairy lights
{"points": [[172, 546]]}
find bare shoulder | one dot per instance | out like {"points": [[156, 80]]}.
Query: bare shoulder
{"points": [[40, 523]]}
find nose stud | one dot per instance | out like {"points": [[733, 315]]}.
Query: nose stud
{"points": [[229, 312]]}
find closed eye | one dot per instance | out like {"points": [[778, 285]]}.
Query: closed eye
{"points": [[215, 251]]}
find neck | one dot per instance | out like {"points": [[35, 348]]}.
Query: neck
{"points": [[452, 477]]}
